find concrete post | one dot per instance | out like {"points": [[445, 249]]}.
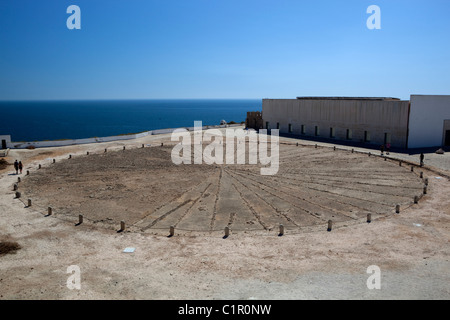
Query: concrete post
{"points": [[40, 166], [369, 154], [412, 169], [426, 181], [353, 150], [122, 225], [334, 148], [425, 190], [369, 217], [162, 144], [297, 144], [316, 146], [87, 153], [142, 146], [28, 172], [70, 156], [416, 199], [106, 150], [29, 202], [281, 230], [227, 231], [123, 147], [421, 174], [330, 225], [397, 208], [15, 187], [50, 211], [54, 160], [80, 219], [18, 179], [172, 231], [18, 194], [400, 163]]}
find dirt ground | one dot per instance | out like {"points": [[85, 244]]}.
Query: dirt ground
{"points": [[142, 187]]}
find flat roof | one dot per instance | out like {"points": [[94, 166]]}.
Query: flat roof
{"points": [[348, 98]]}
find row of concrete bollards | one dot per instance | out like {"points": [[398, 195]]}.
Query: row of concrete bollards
{"points": [[227, 229]]}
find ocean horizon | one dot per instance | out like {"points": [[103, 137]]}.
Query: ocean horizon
{"points": [[78, 119]]}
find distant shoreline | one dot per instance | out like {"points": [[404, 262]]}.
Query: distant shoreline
{"points": [[40, 121], [124, 136]]}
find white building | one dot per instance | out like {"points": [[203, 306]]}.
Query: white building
{"points": [[5, 141], [429, 121], [424, 121]]}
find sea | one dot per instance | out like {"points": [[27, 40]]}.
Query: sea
{"points": [[55, 120]]}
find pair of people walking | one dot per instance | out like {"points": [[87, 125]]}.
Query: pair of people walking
{"points": [[386, 148], [18, 166]]}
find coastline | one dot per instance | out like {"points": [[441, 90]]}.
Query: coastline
{"points": [[120, 137]]}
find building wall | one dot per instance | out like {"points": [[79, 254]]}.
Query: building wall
{"points": [[377, 117], [254, 120], [426, 123], [7, 138]]}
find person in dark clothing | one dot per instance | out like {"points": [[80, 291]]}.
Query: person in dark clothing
{"points": [[20, 167], [16, 166]]}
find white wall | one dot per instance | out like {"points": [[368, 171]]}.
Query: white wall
{"points": [[377, 117], [426, 120], [68, 142], [8, 140], [60, 143]]}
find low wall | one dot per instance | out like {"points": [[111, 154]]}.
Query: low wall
{"points": [[69, 142]]}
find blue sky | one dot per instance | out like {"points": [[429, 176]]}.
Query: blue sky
{"points": [[149, 49]]}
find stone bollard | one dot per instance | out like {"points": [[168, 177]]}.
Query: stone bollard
{"points": [[334, 148], [49, 211], [123, 147], [70, 156], [18, 194], [106, 150], [353, 150], [281, 230], [385, 159], [330, 225], [122, 225], [29, 202], [397, 208], [162, 144], [18, 179], [369, 154], [142, 146], [39, 167], [421, 174], [425, 190], [28, 172], [54, 160], [369, 217], [171, 231], [400, 164], [426, 181], [416, 199], [412, 169], [297, 144], [80, 219], [15, 187], [87, 153], [227, 232], [316, 146]]}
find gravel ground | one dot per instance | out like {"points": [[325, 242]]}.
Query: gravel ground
{"points": [[411, 249]]}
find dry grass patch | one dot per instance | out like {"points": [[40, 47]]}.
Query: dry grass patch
{"points": [[8, 247]]}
